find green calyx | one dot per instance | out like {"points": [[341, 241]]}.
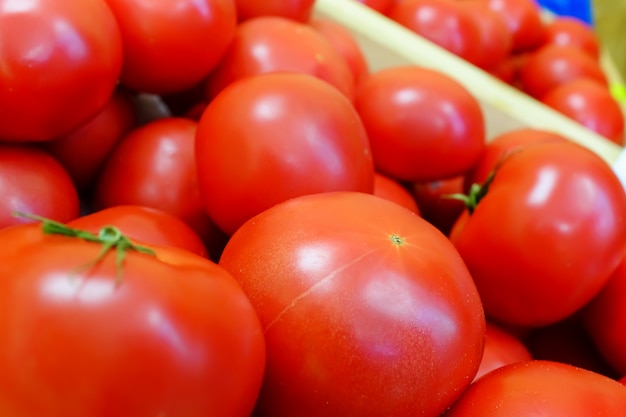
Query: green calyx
{"points": [[110, 237], [476, 193]]}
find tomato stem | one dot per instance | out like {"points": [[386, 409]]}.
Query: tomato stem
{"points": [[476, 193], [109, 236]]}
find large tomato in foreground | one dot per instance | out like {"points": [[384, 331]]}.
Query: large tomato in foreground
{"points": [[546, 233], [169, 334], [59, 63], [367, 309], [272, 137], [541, 388]]}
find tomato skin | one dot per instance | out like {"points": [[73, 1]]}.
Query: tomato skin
{"points": [[501, 348], [79, 344], [523, 19], [569, 31], [443, 22], [553, 65], [144, 224], [546, 236], [422, 125], [347, 313], [33, 182], [392, 190], [60, 61], [381, 6], [83, 152], [435, 207], [541, 388], [591, 104], [299, 10], [288, 46], [605, 318], [154, 166], [272, 137], [161, 58]]}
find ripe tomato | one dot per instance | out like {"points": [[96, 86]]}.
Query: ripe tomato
{"points": [[172, 335], [501, 348], [381, 6], [367, 310], [570, 31], [154, 166], [272, 137], [541, 388], [392, 190], [553, 65], [605, 319], [160, 57], [443, 22], [591, 104], [345, 43], [60, 61], [299, 10], [286, 46], [144, 224], [33, 182], [435, 206], [83, 152], [546, 235], [523, 18], [422, 124]]}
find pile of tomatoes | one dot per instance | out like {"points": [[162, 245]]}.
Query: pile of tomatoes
{"points": [[215, 208]]}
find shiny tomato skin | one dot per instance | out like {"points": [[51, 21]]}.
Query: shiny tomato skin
{"points": [[422, 124], [570, 31], [59, 63], [501, 348], [345, 43], [144, 224], [173, 335], [591, 104], [33, 182], [605, 318], [392, 190], [288, 46], [523, 18], [366, 308], [272, 137], [553, 65], [541, 388], [443, 22], [545, 238], [298, 10], [159, 57], [154, 166], [84, 151]]}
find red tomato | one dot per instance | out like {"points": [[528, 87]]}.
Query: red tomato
{"points": [[508, 70], [443, 22], [546, 235], [154, 166], [83, 152], [60, 63], [570, 31], [605, 319], [390, 189], [623, 380], [345, 43], [272, 137], [381, 6], [501, 147], [286, 46], [553, 65], [496, 41], [541, 388], [591, 104], [435, 206], [299, 10], [422, 124], [169, 334], [523, 18], [161, 57], [144, 224], [367, 310], [33, 182], [501, 348]]}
